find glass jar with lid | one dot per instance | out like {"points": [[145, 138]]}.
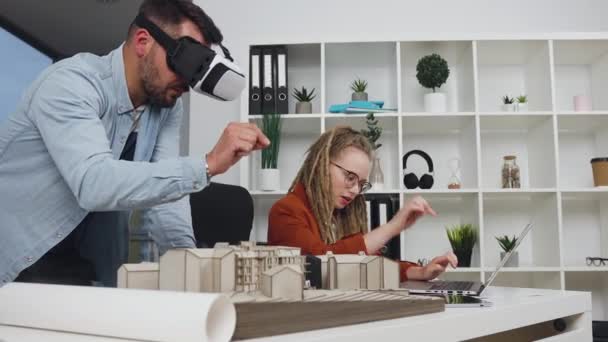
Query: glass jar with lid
{"points": [[510, 172]]}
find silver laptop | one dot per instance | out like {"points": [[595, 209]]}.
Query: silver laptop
{"points": [[474, 288]]}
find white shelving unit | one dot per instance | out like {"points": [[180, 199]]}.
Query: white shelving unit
{"points": [[553, 145]]}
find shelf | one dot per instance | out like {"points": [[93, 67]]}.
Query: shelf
{"points": [[584, 218], [296, 136], [288, 116], [459, 88], [585, 193], [424, 192], [435, 115], [513, 68], [590, 112], [514, 122], [581, 138], [552, 142], [304, 70], [464, 270], [534, 280], [581, 68], [529, 138], [360, 115], [529, 269], [586, 269], [521, 191], [451, 209], [374, 62], [597, 284], [453, 138], [384, 191], [388, 152], [510, 114], [508, 214]]}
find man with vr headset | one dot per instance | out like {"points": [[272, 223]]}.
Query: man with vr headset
{"points": [[96, 137]]}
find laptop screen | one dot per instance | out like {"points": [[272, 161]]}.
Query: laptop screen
{"points": [[508, 255]]}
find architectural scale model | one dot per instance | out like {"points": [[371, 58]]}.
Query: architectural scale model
{"points": [[268, 284]]}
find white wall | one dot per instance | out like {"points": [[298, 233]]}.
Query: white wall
{"points": [[283, 21]]}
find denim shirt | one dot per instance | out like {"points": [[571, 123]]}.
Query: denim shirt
{"points": [[59, 160]]}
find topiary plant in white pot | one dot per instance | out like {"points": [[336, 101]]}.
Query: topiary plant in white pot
{"points": [[432, 72]]}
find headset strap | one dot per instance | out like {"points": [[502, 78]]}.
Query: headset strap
{"points": [[164, 39]]}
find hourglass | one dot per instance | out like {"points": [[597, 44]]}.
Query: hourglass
{"points": [[454, 181]]}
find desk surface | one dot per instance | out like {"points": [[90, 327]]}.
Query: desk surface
{"points": [[512, 308]]}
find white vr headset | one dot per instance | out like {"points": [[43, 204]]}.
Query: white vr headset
{"points": [[209, 71]]}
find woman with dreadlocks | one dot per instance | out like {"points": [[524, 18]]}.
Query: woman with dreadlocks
{"points": [[323, 210]]}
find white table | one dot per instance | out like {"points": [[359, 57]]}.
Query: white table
{"points": [[515, 315]]}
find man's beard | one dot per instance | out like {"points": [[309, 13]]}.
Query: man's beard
{"points": [[157, 96]]}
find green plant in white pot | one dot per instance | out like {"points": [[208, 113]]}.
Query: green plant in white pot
{"points": [[508, 104], [304, 104], [359, 87], [432, 72], [507, 244], [522, 103], [463, 238], [270, 176]]}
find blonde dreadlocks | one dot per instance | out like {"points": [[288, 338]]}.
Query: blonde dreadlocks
{"points": [[314, 175]]}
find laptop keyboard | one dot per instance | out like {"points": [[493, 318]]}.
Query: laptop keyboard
{"points": [[452, 285]]}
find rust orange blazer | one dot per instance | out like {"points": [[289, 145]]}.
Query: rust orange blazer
{"points": [[291, 222]]}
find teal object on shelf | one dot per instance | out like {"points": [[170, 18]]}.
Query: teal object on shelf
{"points": [[357, 107], [367, 104]]}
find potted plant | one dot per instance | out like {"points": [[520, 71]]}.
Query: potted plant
{"points": [[270, 174], [462, 238], [373, 133], [432, 72], [522, 103], [358, 87], [507, 244], [508, 104], [304, 104]]}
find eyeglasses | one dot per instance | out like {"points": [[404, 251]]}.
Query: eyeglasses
{"points": [[596, 261], [351, 178]]}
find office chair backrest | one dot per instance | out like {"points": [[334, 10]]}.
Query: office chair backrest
{"points": [[221, 213]]}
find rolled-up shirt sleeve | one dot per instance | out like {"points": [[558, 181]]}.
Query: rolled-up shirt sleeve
{"points": [[65, 110]]}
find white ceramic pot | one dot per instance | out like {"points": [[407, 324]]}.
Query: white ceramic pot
{"points": [[270, 179], [303, 108], [513, 261], [522, 107], [435, 103], [359, 96], [508, 107]]}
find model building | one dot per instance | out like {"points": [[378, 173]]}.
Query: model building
{"points": [[267, 284]]}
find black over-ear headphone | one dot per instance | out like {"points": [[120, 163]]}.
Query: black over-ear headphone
{"points": [[410, 180]]}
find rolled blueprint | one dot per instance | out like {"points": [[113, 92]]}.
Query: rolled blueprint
{"points": [[148, 315]]}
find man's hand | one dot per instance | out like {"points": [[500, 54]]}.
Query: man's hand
{"points": [[237, 141]]}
